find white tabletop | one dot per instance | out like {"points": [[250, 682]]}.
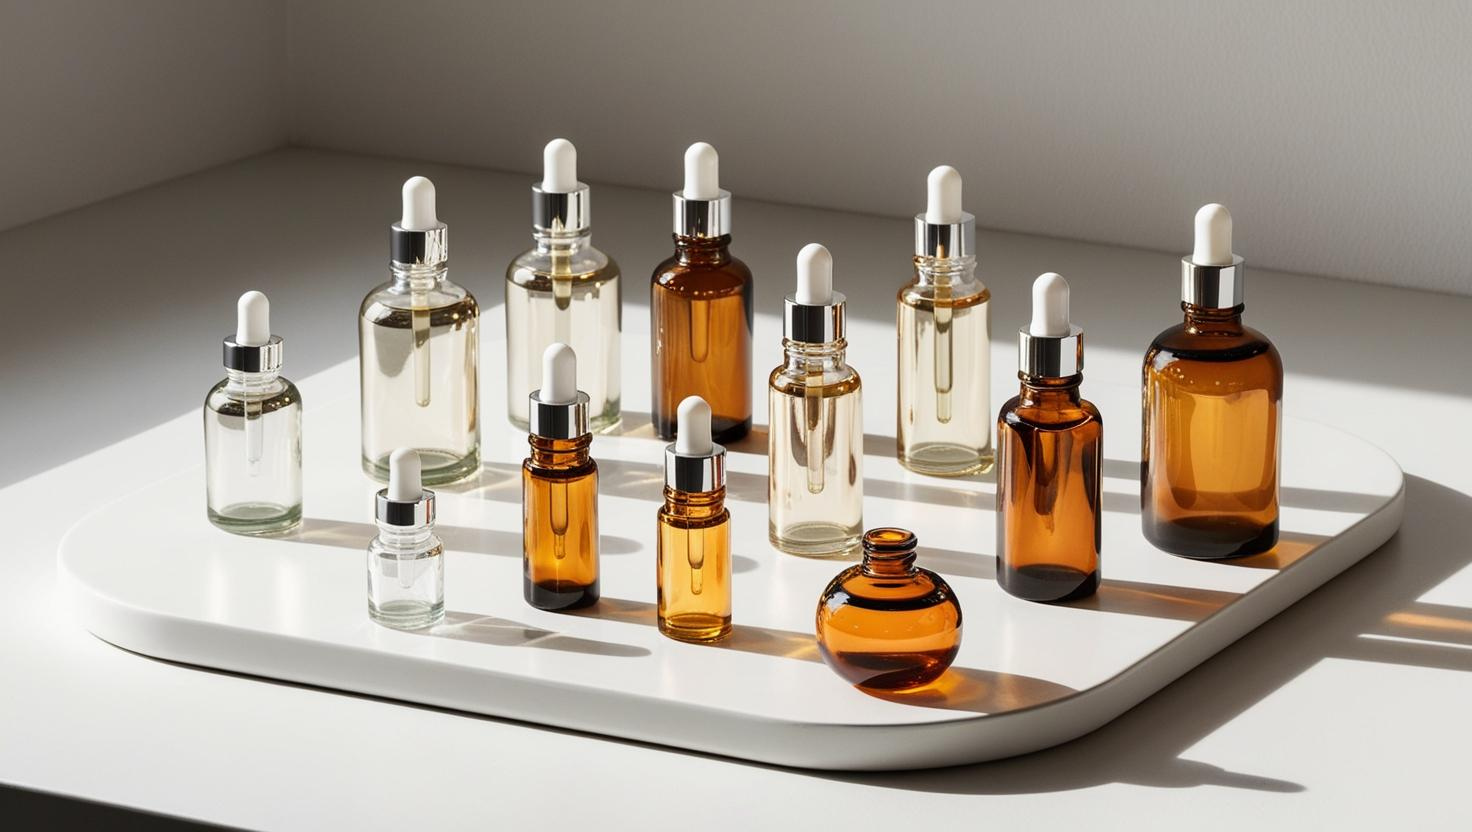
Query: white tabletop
{"points": [[1346, 710]]}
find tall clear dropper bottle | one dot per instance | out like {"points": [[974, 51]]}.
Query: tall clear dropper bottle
{"points": [[815, 422], [944, 325]]}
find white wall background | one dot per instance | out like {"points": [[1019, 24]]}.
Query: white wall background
{"points": [[101, 97], [1338, 132]]}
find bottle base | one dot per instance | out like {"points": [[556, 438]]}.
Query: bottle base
{"points": [[1218, 537], [696, 627], [890, 671], [944, 460], [407, 615], [817, 540], [257, 518], [1048, 582], [439, 467], [555, 596]]}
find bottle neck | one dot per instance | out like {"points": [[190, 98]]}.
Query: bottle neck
{"points": [[1055, 393], [944, 271], [696, 505], [405, 538], [805, 357], [559, 454], [243, 383], [566, 244], [895, 565], [703, 251], [419, 277], [1201, 320]]}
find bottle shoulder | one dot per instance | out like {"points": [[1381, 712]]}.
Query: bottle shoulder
{"points": [[833, 382], [1019, 415], [917, 589], [278, 394], [391, 296], [702, 279], [928, 296], [1180, 342], [535, 269]]}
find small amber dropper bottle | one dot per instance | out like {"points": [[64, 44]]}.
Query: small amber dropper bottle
{"points": [[1213, 414], [1049, 453], [886, 623], [695, 533], [559, 491], [700, 308]]}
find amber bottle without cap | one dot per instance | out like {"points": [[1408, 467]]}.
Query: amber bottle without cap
{"points": [[1049, 456], [559, 492], [886, 623], [1213, 414], [694, 569], [700, 307]]}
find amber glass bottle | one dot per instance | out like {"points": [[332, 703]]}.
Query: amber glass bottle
{"points": [[694, 569], [1049, 458], [1213, 399], [700, 309], [559, 497], [886, 623]]}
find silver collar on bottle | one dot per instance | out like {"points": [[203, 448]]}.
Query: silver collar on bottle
{"points": [[418, 248], [813, 324], [263, 359], [703, 217], [554, 213], [404, 513], [1049, 356], [957, 239], [695, 474], [1213, 287], [557, 421]]}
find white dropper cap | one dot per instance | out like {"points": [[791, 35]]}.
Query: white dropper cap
{"points": [[814, 275], [404, 480], [1213, 236], [559, 167], [702, 172], [419, 213], [559, 375], [692, 425], [1049, 306], [943, 196], [252, 320]]}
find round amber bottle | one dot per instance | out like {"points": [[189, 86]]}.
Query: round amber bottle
{"points": [[886, 623]]}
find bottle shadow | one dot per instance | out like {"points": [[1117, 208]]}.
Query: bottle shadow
{"points": [[501, 632], [352, 535]]}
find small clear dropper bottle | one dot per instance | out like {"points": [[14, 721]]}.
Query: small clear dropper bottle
{"points": [[1050, 451], [944, 325], [815, 449], [253, 431], [559, 491], [564, 291], [694, 532], [406, 561], [419, 353]]}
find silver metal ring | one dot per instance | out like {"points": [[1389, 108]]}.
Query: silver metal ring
{"points": [[1046, 356], [695, 474], [956, 239], [703, 217], [418, 248], [813, 324], [406, 514], [557, 421], [568, 213], [263, 359], [1213, 287]]}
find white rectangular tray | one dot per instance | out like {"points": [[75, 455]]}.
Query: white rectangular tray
{"points": [[150, 574]]}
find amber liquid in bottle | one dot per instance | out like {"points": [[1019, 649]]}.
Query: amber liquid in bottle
{"points": [[1213, 399], [560, 524], [700, 307], [695, 566], [1049, 455], [886, 623]]}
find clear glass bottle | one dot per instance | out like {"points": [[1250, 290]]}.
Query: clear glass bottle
{"points": [[419, 353], [406, 561], [943, 319], [1213, 414], [559, 492], [886, 623], [1050, 453], [564, 291], [694, 561], [253, 432], [816, 427], [700, 309]]}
